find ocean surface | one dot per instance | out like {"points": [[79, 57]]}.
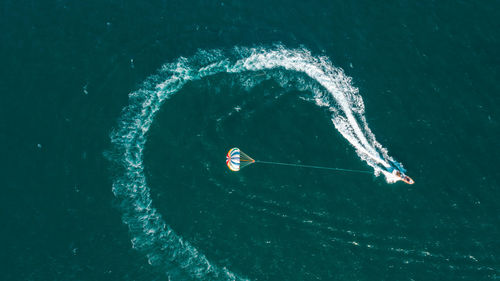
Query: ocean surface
{"points": [[117, 116]]}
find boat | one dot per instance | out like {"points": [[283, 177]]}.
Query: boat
{"points": [[398, 171], [403, 177]]}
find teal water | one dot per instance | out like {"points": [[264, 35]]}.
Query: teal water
{"points": [[118, 115]]}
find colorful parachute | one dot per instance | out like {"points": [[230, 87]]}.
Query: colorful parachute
{"points": [[236, 159]]}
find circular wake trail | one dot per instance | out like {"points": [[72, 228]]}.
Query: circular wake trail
{"points": [[150, 233]]}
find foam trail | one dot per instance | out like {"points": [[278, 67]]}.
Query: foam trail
{"points": [[328, 76], [150, 233]]}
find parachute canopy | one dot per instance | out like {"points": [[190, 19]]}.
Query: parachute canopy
{"points": [[236, 159]]}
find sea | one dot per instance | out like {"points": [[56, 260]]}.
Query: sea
{"points": [[117, 116]]}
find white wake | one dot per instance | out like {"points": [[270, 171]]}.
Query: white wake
{"points": [[331, 88]]}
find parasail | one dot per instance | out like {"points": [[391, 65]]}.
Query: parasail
{"points": [[236, 159]]}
